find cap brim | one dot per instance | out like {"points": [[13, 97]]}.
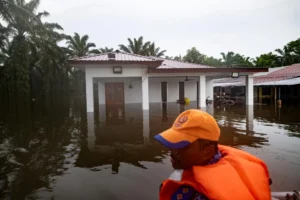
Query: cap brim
{"points": [[174, 139]]}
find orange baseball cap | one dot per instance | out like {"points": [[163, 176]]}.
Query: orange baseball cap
{"points": [[189, 126]]}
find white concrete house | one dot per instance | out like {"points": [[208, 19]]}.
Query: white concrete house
{"points": [[125, 78]]}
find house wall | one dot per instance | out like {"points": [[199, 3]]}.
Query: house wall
{"points": [[134, 95]]}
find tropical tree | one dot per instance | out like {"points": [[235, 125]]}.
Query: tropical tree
{"points": [[285, 57], [136, 46], [294, 47], [211, 61], [266, 60], [155, 51], [32, 54], [231, 59], [106, 50], [178, 58], [79, 46], [194, 56], [26, 30]]}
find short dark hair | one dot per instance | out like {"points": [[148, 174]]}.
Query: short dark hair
{"points": [[205, 143]]}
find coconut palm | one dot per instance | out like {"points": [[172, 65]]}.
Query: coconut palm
{"points": [[135, 46], [79, 46], [106, 50], [155, 51]]}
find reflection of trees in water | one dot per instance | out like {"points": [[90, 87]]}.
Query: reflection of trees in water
{"points": [[36, 143], [114, 154]]}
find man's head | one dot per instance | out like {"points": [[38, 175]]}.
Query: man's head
{"points": [[193, 139]]}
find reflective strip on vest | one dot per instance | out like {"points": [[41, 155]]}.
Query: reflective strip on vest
{"points": [[176, 175]]}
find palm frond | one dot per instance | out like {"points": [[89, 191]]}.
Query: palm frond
{"points": [[124, 48]]}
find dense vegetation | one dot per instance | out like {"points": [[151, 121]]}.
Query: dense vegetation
{"points": [[290, 54], [32, 62]]}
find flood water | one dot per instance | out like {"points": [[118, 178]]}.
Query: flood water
{"points": [[56, 150]]}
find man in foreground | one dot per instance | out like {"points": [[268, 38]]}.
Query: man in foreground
{"points": [[206, 170]]}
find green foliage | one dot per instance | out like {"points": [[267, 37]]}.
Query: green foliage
{"points": [[155, 51], [289, 55], [137, 46], [29, 53], [194, 56], [106, 50], [231, 59], [79, 46], [266, 60]]}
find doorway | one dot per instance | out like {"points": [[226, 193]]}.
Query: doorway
{"points": [[164, 97], [115, 105], [181, 93]]}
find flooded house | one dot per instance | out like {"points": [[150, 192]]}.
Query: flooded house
{"points": [[278, 85], [120, 87]]}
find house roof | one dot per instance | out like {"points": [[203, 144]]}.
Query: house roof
{"points": [[287, 72], [159, 65], [174, 64], [275, 77], [291, 81], [119, 56], [116, 58]]}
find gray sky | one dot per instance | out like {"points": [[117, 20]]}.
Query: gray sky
{"points": [[249, 27]]}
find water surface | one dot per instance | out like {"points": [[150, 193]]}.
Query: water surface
{"points": [[56, 150]]}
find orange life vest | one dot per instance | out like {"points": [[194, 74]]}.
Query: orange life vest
{"points": [[237, 175]]}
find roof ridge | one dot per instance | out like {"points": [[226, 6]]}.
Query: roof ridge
{"points": [[185, 62], [181, 61], [138, 55]]}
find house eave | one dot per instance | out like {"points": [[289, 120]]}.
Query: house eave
{"points": [[187, 70]]}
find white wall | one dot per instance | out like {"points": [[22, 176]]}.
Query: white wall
{"points": [[95, 70], [134, 95], [107, 70], [131, 95], [190, 88]]}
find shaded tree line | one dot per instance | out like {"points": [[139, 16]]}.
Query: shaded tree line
{"points": [[290, 54]]}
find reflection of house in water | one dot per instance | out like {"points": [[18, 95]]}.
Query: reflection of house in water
{"points": [[237, 128], [116, 136]]}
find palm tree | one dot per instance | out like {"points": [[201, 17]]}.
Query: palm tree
{"points": [[228, 58], [285, 57], [79, 46], [135, 46], [266, 60], [153, 51], [33, 46], [294, 47], [106, 50]]}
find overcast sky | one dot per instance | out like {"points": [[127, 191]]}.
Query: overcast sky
{"points": [[249, 27]]}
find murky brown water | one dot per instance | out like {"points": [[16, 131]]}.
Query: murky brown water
{"points": [[71, 154]]}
